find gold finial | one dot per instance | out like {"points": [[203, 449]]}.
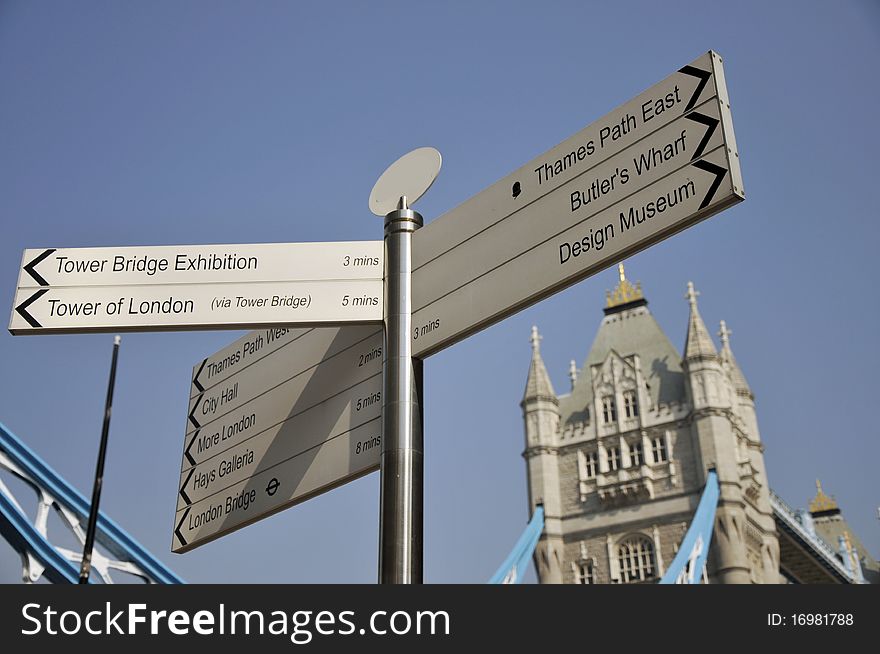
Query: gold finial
{"points": [[625, 291], [822, 502]]}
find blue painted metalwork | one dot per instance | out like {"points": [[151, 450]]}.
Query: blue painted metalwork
{"points": [[23, 536], [689, 563], [512, 571]]}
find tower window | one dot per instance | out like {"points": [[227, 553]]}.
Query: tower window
{"points": [[630, 404], [636, 453], [589, 465], [658, 449], [636, 558], [585, 573], [613, 458], [609, 410]]}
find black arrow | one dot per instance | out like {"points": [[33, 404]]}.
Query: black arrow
{"points": [[29, 268], [21, 308], [719, 173], [183, 486], [711, 123], [196, 378], [179, 524], [192, 417], [704, 76], [186, 453]]}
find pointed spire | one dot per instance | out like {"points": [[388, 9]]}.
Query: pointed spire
{"points": [[699, 344], [572, 373], [538, 384], [740, 385]]}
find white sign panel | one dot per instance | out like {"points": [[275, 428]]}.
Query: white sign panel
{"points": [[652, 167], [198, 287], [278, 405], [187, 307], [273, 488], [201, 264]]}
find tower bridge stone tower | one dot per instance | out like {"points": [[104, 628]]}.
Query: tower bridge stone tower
{"points": [[619, 461]]}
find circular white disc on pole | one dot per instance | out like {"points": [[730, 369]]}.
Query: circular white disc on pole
{"points": [[409, 176]]}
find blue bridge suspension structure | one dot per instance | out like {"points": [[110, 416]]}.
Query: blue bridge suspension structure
{"points": [[513, 570], [118, 551], [689, 564]]}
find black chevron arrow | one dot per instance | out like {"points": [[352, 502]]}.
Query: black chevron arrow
{"points": [[711, 123], [21, 309], [186, 453], [179, 525], [192, 417], [183, 486], [719, 173], [196, 378], [703, 75], [29, 268]]}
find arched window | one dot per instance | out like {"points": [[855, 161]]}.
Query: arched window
{"points": [[609, 409], [630, 404], [584, 573], [636, 453], [613, 458], [636, 558], [658, 449]]}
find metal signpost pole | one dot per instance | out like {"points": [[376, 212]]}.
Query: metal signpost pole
{"points": [[86, 566], [401, 482]]}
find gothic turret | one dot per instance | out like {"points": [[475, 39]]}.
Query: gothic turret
{"points": [[619, 459], [731, 367], [754, 478], [830, 525], [718, 446], [698, 345], [538, 385], [541, 414]]}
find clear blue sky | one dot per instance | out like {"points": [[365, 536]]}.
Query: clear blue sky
{"points": [[232, 122]]}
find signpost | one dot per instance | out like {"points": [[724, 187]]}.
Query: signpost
{"points": [[288, 412], [269, 489], [300, 407], [198, 287], [652, 167]]}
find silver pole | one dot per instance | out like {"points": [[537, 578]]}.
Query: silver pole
{"points": [[400, 518]]}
